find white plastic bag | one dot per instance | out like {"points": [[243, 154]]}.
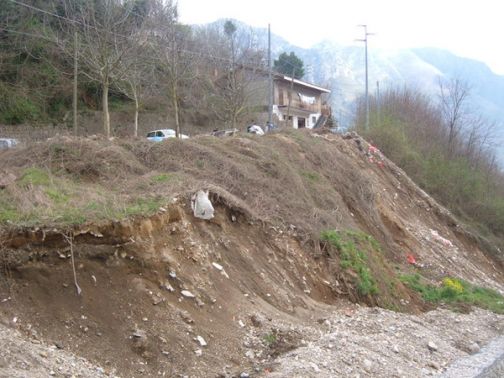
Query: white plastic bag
{"points": [[201, 205]]}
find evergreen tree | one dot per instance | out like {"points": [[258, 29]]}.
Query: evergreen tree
{"points": [[289, 64]]}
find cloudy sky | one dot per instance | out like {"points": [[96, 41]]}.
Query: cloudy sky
{"points": [[468, 28]]}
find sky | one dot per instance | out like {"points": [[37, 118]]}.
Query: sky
{"points": [[468, 28]]}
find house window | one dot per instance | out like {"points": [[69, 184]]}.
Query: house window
{"points": [[313, 120]]}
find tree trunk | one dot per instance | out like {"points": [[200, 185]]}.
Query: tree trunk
{"points": [[176, 111], [136, 115], [106, 115]]}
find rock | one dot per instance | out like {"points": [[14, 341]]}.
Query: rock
{"points": [[257, 320], [198, 352], [241, 324], [473, 348], [432, 346], [217, 266], [315, 367], [244, 375], [201, 341], [168, 287], [434, 365], [186, 317], [250, 354], [187, 294], [172, 274], [367, 365], [157, 300], [395, 349], [139, 334], [199, 302]]}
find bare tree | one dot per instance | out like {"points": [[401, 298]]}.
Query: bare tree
{"points": [[237, 88], [453, 98], [173, 55], [105, 29]]}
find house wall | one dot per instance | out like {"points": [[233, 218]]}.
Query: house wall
{"points": [[283, 89]]}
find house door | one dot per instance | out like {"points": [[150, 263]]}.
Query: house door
{"points": [[301, 123]]}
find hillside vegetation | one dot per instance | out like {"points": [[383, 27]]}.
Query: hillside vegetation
{"points": [[132, 56], [444, 147]]}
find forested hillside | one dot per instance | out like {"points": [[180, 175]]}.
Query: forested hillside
{"points": [[120, 55]]}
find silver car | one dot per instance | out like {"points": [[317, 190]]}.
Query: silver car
{"points": [[6, 143]]}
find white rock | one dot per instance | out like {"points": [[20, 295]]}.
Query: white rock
{"points": [[315, 367], [473, 348], [198, 352], [201, 341], [217, 266], [367, 364], [187, 294], [241, 323], [250, 354], [432, 346]]}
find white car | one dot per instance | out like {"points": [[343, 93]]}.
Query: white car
{"points": [[162, 134], [6, 143]]}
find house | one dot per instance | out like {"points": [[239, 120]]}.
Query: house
{"points": [[298, 103]]}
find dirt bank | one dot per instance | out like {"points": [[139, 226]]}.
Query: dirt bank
{"points": [[164, 293]]}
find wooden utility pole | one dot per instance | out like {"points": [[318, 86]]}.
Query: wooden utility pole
{"points": [[74, 102], [290, 93], [270, 80]]}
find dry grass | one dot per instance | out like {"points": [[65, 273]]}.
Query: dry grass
{"points": [[289, 178]]}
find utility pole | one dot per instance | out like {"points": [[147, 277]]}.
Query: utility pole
{"points": [[290, 94], [74, 99], [378, 101], [270, 80], [366, 62]]}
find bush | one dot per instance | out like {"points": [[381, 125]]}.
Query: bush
{"points": [[456, 291], [354, 258]]}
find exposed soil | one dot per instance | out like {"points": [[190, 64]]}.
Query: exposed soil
{"points": [[254, 283]]}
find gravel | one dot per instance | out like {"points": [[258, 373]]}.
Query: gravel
{"points": [[21, 357], [373, 342]]}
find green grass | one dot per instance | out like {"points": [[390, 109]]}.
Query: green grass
{"points": [[353, 257], [143, 206], [43, 198], [34, 176], [270, 338], [161, 178], [455, 291], [311, 176]]}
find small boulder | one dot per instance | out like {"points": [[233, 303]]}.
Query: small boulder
{"points": [[432, 346]]}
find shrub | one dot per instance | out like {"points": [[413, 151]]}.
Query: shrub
{"points": [[456, 291], [354, 258]]}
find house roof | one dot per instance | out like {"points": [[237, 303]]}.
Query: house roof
{"points": [[303, 83]]}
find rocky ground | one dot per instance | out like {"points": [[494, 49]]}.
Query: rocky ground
{"points": [[373, 342], [21, 357], [353, 341]]}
